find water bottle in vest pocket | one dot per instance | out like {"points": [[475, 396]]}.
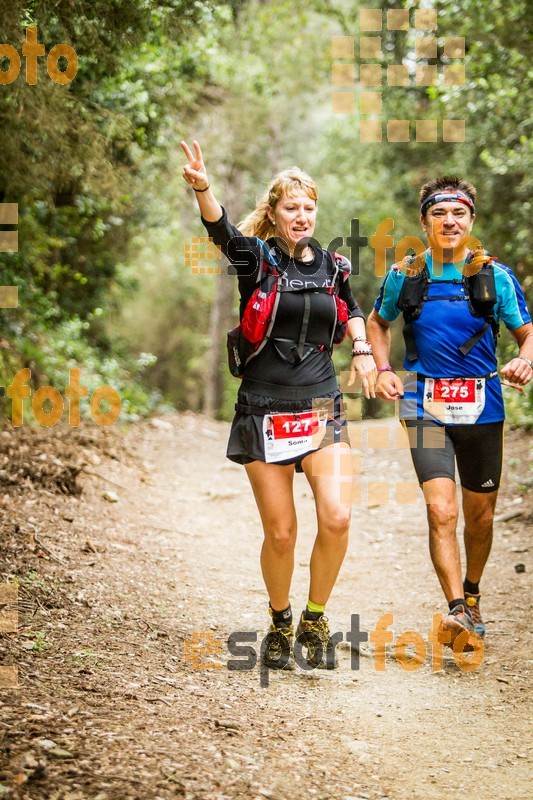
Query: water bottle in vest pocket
{"points": [[341, 326]]}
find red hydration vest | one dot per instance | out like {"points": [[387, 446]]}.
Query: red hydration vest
{"points": [[249, 337]]}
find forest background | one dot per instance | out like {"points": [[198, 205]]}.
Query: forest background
{"points": [[105, 219]]}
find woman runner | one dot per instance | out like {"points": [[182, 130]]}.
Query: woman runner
{"points": [[290, 377]]}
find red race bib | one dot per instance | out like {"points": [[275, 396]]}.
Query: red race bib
{"points": [[289, 435], [455, 391]]}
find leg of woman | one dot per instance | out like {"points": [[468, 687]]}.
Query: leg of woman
{"points": [[272, 487], [330, 475]]}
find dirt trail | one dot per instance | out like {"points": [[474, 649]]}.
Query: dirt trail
{"points": [[111, 704]]}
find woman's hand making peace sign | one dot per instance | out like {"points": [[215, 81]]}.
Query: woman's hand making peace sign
{"points": [[195, 173]]}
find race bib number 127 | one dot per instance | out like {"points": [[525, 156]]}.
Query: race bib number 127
{"points": [[289, 435]]}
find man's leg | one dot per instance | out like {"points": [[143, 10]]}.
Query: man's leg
{"points": [[478, 512], [442, 512], [479, 451], [433, 454]]}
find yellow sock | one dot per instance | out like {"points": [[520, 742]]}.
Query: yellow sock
{"points": [[315, 608]]}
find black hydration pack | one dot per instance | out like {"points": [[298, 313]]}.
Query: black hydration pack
{"points": [[246, 341], [480, 292]]}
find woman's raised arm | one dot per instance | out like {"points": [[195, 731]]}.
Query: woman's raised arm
{"points": [[195, 174]]}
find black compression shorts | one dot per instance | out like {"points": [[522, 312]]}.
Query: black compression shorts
{"points": [[477, 448]]}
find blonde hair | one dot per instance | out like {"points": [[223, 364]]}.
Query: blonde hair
{"points": [[288, 182]]}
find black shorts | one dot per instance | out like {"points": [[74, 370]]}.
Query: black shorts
{"points": [[477, 448], [246, 436]]}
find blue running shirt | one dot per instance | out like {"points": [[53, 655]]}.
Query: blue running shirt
{"points": [[444, 325]]}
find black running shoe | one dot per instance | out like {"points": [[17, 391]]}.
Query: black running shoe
{"points": [[276, 649], [315, 636]]}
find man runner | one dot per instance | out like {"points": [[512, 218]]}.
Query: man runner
{"points": [[456, 409]]}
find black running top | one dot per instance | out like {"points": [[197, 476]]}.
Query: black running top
{"points": [[245, 254]]}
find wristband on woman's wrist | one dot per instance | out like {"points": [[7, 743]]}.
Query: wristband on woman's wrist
{"points": [[360, 339], [199, 191], [528, 361], [361, 353], [386, 368]]}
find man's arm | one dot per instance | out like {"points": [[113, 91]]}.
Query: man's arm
{"points": [[389, 385], [518, 370]]}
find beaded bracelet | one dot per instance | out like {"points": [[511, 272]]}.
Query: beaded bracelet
{"points": [[361, 353]]}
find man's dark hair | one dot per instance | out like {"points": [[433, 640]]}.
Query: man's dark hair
{"points": [[448, 183]]}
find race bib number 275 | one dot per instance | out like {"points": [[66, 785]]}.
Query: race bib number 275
{"points": [[456, 401]]}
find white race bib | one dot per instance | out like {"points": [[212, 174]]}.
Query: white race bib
{"points": [[454, 401], [287, 435]]}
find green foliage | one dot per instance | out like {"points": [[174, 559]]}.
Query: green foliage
{"points": [[40, 642], [104, 216], [53, 353], [70, 158], [169, 317], [494, 103]]}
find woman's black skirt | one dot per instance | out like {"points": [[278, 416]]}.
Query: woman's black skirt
{"points": [[246, 441]]}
